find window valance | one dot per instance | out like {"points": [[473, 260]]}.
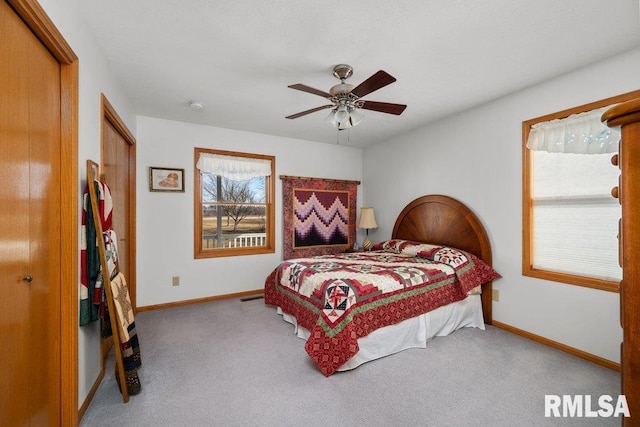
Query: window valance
{"points": [[233, 167], [582, 133]]}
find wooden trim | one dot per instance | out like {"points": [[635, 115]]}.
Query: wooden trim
{"points": [[37, 20], [133, 255], [114, 118], [233, 153], [217, 253], [111, 115], [624, 114], [198, 252], [571, 279], [527, 204], [87, 401], [200, 300], [559, 346], [344, 181], [197, 206], [69, 250], [585, 107]]}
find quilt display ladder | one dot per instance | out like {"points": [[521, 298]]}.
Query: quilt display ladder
{"points": [[93, 174]]}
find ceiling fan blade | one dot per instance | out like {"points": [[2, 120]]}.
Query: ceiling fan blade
{"points": [[375, 82], [384, 107], [309, 89], [313, 110]]}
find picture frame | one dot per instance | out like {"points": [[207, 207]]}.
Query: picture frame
{"points": [[168, 180]]}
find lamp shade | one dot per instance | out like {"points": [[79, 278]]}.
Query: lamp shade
{"points": [[367, 218]]}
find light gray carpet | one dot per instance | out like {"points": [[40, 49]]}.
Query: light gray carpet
{"points": [[234, 363]]}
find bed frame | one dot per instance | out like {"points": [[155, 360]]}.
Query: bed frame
{"points": [[438, 219]]}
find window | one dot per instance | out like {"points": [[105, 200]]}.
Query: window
{"points": [[234, 203], [570, 219]]}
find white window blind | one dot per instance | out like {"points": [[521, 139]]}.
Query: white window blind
{"points": [[575, 218]]}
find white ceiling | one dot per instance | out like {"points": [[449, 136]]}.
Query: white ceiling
{"points": [[238, 57]]}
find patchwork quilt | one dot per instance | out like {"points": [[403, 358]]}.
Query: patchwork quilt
{"points": [[340, 298]]}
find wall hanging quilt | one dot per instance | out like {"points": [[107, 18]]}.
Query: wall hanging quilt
{"points": [[319, 216]]}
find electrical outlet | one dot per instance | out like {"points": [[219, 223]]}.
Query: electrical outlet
{"points": [[175, 281], [495, 295]]}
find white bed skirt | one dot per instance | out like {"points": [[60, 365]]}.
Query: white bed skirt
{"points": [[411, 333]]}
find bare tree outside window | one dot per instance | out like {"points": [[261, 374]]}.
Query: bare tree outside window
{"points": [[238, 199]]}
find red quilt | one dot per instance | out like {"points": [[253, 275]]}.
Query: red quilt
{"points": [[340, 298]]}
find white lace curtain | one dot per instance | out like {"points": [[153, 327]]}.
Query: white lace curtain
{"points": [[582, 133], [233, 167]]}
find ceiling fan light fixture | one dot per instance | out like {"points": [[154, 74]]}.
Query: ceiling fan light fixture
{"points": [[344, 117], [345, 125], [355, 116], [331, 118], [342, 114]]}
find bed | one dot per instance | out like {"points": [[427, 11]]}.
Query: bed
{"points": [[432, 277]]}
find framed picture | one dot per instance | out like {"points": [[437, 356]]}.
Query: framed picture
{"points": [[166, 179]]}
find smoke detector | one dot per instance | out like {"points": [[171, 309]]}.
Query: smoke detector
{"points": [[196, 105]]}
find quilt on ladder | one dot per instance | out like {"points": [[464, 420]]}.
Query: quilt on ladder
{"points": [[340, 298], [129, 344], [90, 280]]}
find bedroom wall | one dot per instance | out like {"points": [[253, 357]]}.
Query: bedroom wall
{"points": [[165, 220], [94, 79], [475, 156]]}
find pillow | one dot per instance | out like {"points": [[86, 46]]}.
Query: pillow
{"points": [[470, 270], [407, 247]]}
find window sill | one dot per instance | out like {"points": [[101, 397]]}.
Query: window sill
{"points": [[587, 282]]}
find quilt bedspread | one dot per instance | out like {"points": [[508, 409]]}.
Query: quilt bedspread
{"points": [[340, 298]]}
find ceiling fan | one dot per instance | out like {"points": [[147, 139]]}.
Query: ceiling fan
{"points": [[346, 99]]}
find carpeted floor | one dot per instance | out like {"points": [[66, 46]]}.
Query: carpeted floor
{"points": [[234, 363]]}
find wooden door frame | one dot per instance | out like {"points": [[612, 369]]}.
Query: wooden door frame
{"points": [[108, 113], [41, 25]]}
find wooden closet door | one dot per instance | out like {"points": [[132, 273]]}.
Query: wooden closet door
{"points": [[30, 219], [116, 173], [118, 167]]}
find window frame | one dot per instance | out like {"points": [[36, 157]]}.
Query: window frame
{"points": [[527, 204], [269, 246]]}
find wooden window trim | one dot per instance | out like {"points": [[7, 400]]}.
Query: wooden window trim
{"points": [[197, 209], [527, 204]]}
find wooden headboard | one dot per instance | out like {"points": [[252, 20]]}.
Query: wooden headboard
{"points": [[443, 220]]}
